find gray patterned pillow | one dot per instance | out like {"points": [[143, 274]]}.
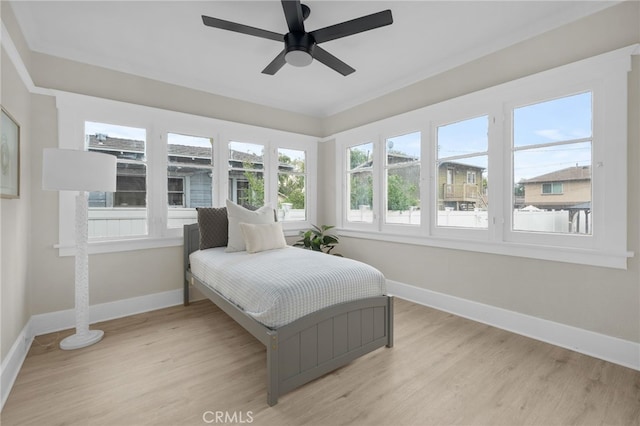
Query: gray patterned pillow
{"points": [[214, 227]]}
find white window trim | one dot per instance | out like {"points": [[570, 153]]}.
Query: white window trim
{"points": [[310, 184], [343, 168], [606, 77], [448, 112], [402, 130], [75, 109]]}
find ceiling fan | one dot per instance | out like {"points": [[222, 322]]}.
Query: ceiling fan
{"points": [[301, 47]]}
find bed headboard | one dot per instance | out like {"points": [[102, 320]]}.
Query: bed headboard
{"points": [[191, 242]]}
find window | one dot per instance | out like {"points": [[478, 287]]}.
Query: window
{"points": [[124, 212], [292, 190], [189, 177], [462, 198], [169, 164], [552, 163], [175, 193], [552, 188], [360, 183], [554, 143], [246, 174], [402, 173]]}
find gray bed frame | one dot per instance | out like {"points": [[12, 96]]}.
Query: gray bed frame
{"points": [[311, 346]]}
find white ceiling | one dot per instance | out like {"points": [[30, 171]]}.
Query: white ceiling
{"points": [[166, 41]]}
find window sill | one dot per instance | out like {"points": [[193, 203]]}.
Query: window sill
{"points": [[616, 260], [113, 246]]}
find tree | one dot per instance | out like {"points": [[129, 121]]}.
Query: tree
{"points": [[291, 187], [361, 189], [361, 182], [358, 158], [400, 193], [254, 195]]}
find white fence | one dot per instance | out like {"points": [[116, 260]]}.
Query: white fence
{"points": [[552, 221], [541, 221], [124, 222], [121, 222]]}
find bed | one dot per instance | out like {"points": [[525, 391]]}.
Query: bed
{"points": [[307, 347]]}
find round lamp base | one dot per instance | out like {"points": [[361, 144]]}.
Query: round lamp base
{"points": [[77, 341]]}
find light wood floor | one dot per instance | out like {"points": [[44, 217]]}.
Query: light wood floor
{"points": [[171, 367]]}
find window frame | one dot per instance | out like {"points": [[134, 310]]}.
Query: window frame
{"points": [[345, 173], [459, 110], [398, 132], [605, 76], [552, 185], [258, 141], [194, 128], [75, 109], [563, 86], [292, 173]]}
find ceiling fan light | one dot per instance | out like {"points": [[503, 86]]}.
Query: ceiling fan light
{"points": [[298, 58]]}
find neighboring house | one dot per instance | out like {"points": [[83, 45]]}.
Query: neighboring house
{"points": [[189, 174], [566, 189], [188, 182], [460, 187], [131, 187]]}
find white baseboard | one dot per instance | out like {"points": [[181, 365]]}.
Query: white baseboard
{"points": [[612, 349], [12, 363], [64, 320]]}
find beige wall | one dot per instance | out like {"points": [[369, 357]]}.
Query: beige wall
{"points": [[602, 300], [15, 229]]}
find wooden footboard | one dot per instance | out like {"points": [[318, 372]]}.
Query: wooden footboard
{"points": [[325, 340], [313, 345]]}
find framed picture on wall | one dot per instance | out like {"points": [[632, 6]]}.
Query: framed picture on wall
{"points": [[9, 156]]}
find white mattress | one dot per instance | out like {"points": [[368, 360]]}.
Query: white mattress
{"points": [[277, 287]]}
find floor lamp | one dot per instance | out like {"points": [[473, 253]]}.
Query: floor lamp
{"points": [[74, 170]]}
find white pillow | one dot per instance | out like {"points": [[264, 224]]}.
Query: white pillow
{"points": [[237, 214], [263, 237]]}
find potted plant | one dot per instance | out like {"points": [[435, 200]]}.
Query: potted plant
{"points": [[317, 239]]}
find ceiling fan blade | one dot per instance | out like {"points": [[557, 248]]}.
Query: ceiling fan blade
{"points": [[331, 61], [241, 28], [354, 26], [293, 15], [276, 64]]}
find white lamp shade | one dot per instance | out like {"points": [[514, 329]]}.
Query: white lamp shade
{"points": [[74, 170]]}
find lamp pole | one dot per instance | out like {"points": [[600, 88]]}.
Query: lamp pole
{"points": [[83, 337]]}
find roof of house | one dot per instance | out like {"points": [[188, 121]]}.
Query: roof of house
{"points": [[570, 173], [108, 143], [100, 142], [461, 165]]}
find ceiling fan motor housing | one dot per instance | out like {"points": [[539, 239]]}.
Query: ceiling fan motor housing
{"points": [[299, 47]]}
